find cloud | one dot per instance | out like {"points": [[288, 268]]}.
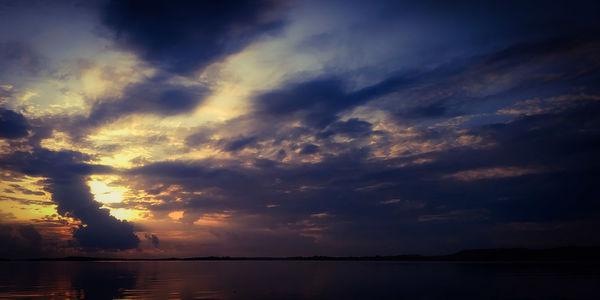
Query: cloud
{"points": [[19, 241], [318, 101], [12, 124], [18, 58], [25, 191], [405, 204], [455, 88], [410, 142], [535, 106], [487, 173], [202, 136], [66, 173], [321, 215], [559, 147], [241, 143], [183, 36], [309, 149], [352, 128], [177, 38], [462, 215], [152, 96], [537, 167], [152, 238]]}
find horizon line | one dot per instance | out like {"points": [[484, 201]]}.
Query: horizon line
{"points": [[479, 254]]}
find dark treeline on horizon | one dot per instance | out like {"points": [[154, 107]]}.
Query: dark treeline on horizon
{"points": [[493, 254]]}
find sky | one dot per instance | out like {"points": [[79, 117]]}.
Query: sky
{"points": [[282, 128]]}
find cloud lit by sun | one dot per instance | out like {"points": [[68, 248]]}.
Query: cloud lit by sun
{"points": [[309, 127], [105, 193]]}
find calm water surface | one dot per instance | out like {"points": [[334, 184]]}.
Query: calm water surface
{"points": [[298, 280]]}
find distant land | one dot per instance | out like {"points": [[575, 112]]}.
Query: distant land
{"points": [[496, 254]]}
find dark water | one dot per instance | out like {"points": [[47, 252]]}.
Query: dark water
{"points": [[299, 280]]}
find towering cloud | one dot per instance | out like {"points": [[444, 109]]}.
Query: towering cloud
{"points": [[66, 173]]}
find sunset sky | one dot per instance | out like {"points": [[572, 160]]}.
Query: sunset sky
{"points": [[282, 128]]}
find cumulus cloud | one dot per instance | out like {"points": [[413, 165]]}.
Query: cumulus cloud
{"points": [[66, 173]]}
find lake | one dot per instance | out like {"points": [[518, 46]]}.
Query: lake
{"points": [[299, 280]]}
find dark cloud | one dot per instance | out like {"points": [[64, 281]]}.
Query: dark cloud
{"points": [[460, 87], [281, 154], [388, 201], [558, 147], [318, 101], [193, 171], [184, 36], [203, 135], [12, 124], [353, 128], [66, 164], [430, 111], [498, 139], [25, 190], [66, 173], [535, 168], [20, 241], [240, 143], [19, 58], [152, 238], [106, 232], [149, 97], [177, 37], [309, 149]]}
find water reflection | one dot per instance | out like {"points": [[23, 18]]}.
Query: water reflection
{"points": [[297, 280]]}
